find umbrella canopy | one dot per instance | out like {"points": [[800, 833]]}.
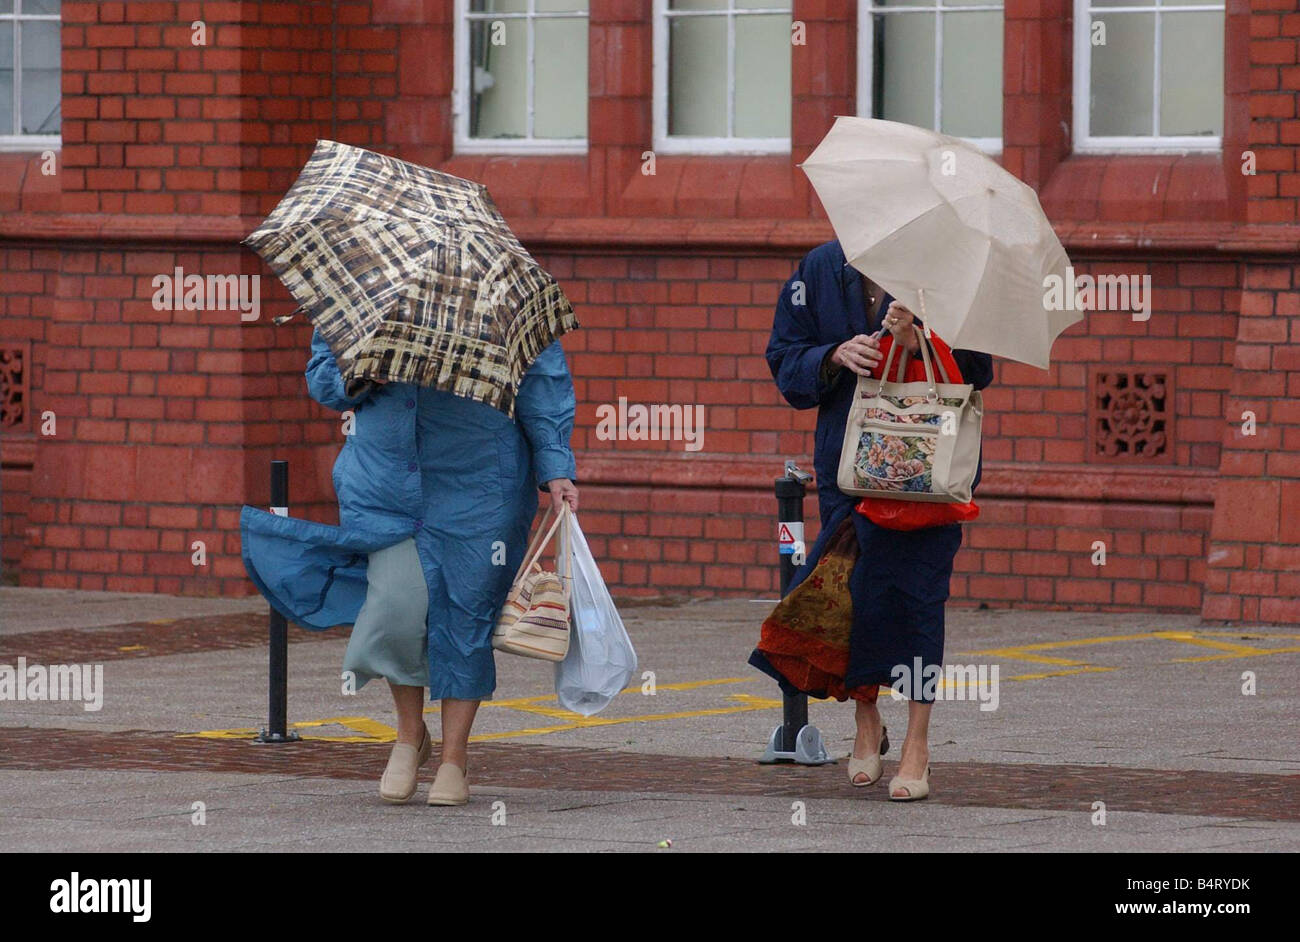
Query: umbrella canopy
{"points": [[411, 275], [947, 232]]}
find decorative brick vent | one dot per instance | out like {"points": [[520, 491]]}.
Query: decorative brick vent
{"points": [[1130, 415], [14, 387]]}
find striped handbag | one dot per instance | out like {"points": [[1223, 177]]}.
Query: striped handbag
{"points": [[534, 621]]}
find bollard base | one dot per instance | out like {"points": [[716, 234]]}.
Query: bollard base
{"points": [[808, 748], [265, 738]]}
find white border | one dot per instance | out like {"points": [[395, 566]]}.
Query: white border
{"points": [[866, 47], [1084, 142], [462, 142], [664, 143], [22, 143]]}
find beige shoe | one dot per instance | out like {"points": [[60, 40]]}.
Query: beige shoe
{"points": [[916, 788], [871, 766], [398, 783], [450, 786]]}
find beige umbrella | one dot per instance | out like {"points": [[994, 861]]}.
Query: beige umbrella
{"points": [[947, 232]]}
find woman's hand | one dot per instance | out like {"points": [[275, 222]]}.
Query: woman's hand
{"points": [[859, 354], [898, 321], [563, 491]]}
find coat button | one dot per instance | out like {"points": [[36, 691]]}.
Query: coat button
{"points": [[410, 403], [412, 467], [418, 524]]}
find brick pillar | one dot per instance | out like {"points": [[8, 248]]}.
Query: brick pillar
{"points": [[1254, 559], [1253, 571], [1037, 87]]}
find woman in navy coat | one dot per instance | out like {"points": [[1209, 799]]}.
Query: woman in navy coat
{"points": [[821, 338]]}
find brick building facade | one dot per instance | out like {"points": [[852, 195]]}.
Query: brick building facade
{"points": [[165, 421]]}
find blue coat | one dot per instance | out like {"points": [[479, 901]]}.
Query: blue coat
{"points": [[459, 476]]}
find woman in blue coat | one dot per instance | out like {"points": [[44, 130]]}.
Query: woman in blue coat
{"points": [[436, 496], [821, 337]]}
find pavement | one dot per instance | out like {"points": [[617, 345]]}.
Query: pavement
{"points": [[1112, 732]]}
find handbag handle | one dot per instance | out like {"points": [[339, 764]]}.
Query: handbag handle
{"points": [[925, 342], [532, 544], [535, 548]]}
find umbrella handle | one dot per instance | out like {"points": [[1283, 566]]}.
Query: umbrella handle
{"points": [[920, 296]]}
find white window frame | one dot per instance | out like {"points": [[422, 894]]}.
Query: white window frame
{"points": [[461, 87], [664, 143], [867, 10], [10, 142], [1084, 141]]}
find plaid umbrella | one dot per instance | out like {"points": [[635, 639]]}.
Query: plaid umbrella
{"points": [[411, 275]]}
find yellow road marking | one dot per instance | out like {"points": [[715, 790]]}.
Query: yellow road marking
{"points": [[546, 705], [1086, 669], [1021, 654], [584, 722], [1249, 635], [1253, 652], [1188, 638], [374, 730]]}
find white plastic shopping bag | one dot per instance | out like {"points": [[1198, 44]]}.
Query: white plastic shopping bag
{"points": [[601, 659]]}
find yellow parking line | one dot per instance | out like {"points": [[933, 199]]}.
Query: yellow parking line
{"points": [[1086, 669], [1022, 654], [1253, 652], [1185, 637], [374, 730], [1249, 635], [584, 722], [547, 706]]}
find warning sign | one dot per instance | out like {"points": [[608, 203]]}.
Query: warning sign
{"points": [[787, 535]]}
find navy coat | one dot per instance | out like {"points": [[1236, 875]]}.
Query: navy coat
{"points": [[900, 583], [802, 336]]}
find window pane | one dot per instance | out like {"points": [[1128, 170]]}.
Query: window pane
{"points": [[697, 76], [1123, 76], [697, 4], [763, 76], [783, 5], [6, 6], [972, 78], [562, 6], [41, 92], [6, 78], [1191, 73], [498, 6], [889, 4], [498, 92], [40, 6], [904, 64], [560, 81]]}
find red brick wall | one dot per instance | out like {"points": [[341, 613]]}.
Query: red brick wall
{"points": [[167, 420]]}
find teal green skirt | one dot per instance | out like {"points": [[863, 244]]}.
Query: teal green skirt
{"points": [[389, 638]]}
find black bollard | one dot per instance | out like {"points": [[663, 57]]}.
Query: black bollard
{"points": [[794, 740], [790, 492], [276, 730]]}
